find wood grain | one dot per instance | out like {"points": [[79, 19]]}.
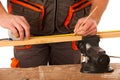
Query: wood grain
{"points": [[57, 72], [57, 38]]}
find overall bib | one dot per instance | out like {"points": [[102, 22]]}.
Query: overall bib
{"points": [[48, 17]]}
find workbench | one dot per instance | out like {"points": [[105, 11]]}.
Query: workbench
{"points": [[57, 72]]}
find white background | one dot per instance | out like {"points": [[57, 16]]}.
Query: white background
{"points": [[109, 21]]}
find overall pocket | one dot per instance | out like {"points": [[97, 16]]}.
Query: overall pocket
{"points": [[77, 10], [33, 12]]}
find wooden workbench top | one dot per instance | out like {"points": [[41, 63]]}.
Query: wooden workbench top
{"points": [[57, 72]]}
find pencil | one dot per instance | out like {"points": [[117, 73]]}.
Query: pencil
{"points": [[87, 18]]}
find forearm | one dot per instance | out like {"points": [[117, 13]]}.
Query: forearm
{"points": [[101, 6], [2, 10]]}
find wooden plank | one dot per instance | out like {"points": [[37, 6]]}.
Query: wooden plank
{"points": [[109, 34], [57, 38], [57, 72]]}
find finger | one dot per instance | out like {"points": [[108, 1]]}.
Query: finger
{"points": [[26, 27], [79, 22], [82, 29], [92, 27], [91, 31], [19, 29], [25, 21], [81, 33], [87, 27], [14, 31]]}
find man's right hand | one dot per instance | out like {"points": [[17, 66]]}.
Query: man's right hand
{"points": [[16, 24]]}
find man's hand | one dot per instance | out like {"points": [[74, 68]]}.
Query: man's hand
{"points": [[88, 28], [16, 24]]}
